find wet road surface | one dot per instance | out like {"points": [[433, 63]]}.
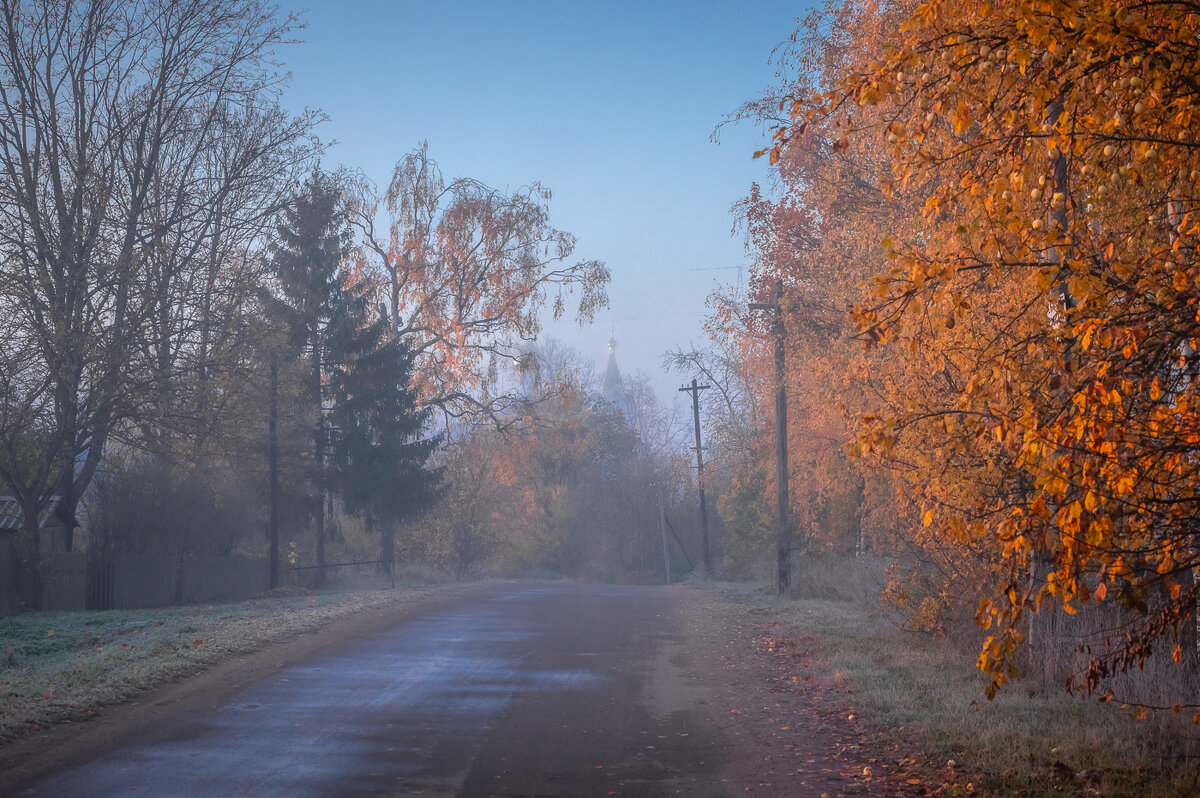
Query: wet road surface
{"points": [[521, 690]]}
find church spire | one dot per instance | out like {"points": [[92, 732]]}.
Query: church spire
{"points": [[613, 386]]}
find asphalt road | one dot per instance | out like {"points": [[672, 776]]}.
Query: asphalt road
{"points": [[525, 690]]}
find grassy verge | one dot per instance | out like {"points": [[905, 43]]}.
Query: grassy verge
{"points": [[59, 666], [922, 699]]}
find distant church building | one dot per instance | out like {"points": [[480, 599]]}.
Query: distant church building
{"points": [[612, 386]]}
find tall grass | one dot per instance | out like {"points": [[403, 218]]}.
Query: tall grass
{"points": [[858, 580], [922, 695]]}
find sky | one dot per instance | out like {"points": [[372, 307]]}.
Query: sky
{"points": [[609, 104]]}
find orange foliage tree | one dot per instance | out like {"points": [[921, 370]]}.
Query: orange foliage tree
{"points": [[816, 230], [468, 270], [566, 487], [1049, 282]]}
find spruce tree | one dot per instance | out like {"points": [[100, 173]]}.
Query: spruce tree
{"points": [[378, 456], [366, 428], [311, 242]]}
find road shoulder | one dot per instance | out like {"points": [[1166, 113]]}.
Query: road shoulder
{"points": [[46, 750], [786, 725]]}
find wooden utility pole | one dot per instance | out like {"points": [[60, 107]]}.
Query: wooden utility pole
{"points": [[783, 529], [273, 473], [662, 527], [695, 390]]}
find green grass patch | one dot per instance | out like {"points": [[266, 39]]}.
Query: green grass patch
{"points": [[57, 666]]}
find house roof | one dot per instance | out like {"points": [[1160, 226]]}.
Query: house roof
{"points": [[11, 515]]}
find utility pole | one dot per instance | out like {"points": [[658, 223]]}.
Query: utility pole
{"points": [[662, 527], [695, 390], [273, 473], [783, 529]]}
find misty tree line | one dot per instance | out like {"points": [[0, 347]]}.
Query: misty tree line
{"points": [[175, 267], [567, 484]]}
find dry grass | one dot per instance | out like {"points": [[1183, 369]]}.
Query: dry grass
{"points": [[58, 666], [922, 698]]}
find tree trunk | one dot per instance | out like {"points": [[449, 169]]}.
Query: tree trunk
{"points": [[27, 577], [319, 499], [387, 544], [320, 520], [1187, 630], [273, 473], [317, 344]]}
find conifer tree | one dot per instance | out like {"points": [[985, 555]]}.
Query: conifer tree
{"points": [[378, 457], [310, 244], [366, 424]]}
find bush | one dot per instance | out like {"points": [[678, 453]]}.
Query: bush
{"points": [[839, 577], [146, 506]]}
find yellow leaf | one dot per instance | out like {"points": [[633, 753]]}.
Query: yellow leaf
{"points": [[928, 518], [1100, 593]]}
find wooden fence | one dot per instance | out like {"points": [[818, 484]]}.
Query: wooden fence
{"points": [[131, 581]]}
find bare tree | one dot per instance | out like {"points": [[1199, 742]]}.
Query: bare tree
{"points": [[110, 116], [204, 278], [734, 423]]}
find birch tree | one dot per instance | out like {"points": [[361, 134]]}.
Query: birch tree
{"points": [[469, 269]]}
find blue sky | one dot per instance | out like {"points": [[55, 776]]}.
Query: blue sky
{"points": [[608, 104]]}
